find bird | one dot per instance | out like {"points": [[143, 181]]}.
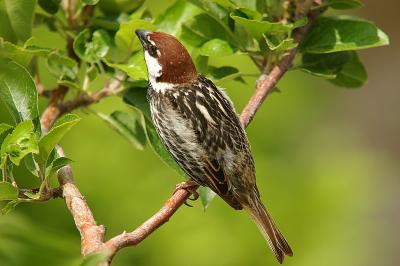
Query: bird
{"points": [[198, 125]]}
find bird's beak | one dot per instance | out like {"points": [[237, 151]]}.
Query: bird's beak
{"points": [[142, 35]]}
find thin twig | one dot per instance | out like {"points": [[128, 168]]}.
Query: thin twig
{"points": [[86, 99], [144, 230], [52, 112], [45, 196]]}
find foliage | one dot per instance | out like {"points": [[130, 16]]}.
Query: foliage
{"points": [[100, 44]]}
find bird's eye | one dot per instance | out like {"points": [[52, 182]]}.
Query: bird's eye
{"points": [[151, 47], [153, 50]]}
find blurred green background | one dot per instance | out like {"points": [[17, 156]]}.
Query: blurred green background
{"points": [[327, 163]]}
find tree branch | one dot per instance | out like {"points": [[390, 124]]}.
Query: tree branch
{"points": [[52, 112], [144, 230], [86, 99], [45, 196], [92, 235]]}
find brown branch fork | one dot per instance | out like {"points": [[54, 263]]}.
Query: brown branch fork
{"points": [[92, 234]]}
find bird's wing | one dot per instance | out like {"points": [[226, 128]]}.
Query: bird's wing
{"points": [[219, 134], [219, 182]]}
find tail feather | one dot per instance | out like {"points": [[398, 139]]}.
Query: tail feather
{"points": [[269, 230]]}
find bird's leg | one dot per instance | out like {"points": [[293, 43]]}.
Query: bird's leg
{"points": [[189, 186]]}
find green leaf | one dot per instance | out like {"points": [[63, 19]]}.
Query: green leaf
{"points": [[90, 2], [125, 38], [218, 73], [6, 30], [216, 47], [283, 46], [201, 63], [136, 97], [19, 143], [248, 13], [249, 4], [214, 10], [257, 28], [227, 4], [110, 23], [135, 68], [57, 164], [50, 6], [191, 38], [14, 52], [48, 20], [4, 127], [206, 196], [30, 164], [9, 206], [95, 259], [128, 125], [141, 13], [92, 72], [342, 33], [24, 54], [73, 84], [341, 68], [8, 191], [203, 28], [343, 4], [4, 131], [352, 74], [92, 51], [18, 92], [116, 7], [172, 19], [274, 8], [53, 137], [16, 19], [31, 195], [324, 65], [62, 67]]}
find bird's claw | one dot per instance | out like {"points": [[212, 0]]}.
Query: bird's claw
{"points": [[190, 186]]}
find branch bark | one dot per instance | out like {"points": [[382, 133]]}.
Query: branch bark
{"points": [[92, 235], [86, 99], [144, 230]]}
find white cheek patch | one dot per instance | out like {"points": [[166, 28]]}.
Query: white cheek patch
{"points": [[155, 71], [153, 67]]}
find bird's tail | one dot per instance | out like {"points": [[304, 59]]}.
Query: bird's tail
{"points": [[271, 233]]}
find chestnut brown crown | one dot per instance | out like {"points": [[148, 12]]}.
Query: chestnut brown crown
{"points": [[176, 65]]}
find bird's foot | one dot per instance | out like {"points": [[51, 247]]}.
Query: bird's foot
{"points": [[190, 186]]}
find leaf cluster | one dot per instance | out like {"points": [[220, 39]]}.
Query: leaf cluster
{"points": [[25, 141]]}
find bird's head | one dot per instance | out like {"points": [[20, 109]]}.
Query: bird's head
{"points": [[167, 59]]}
